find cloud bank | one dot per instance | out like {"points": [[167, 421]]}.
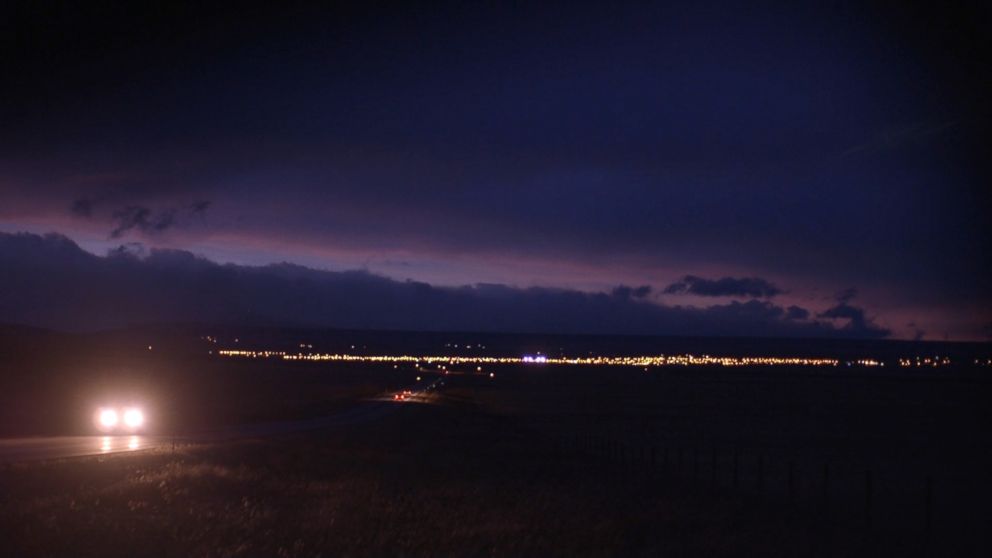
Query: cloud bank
{"points": [[49, 281]]}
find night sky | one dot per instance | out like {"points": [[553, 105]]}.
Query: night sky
{"points": [[705, 170]]}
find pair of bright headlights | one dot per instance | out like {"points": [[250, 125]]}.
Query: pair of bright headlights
{"points": [[129, 418]]}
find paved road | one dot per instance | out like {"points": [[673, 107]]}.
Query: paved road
{"points": [[30, 449], [57, 447]]}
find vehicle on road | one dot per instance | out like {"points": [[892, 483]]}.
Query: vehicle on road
{"points": [[115, 419]]}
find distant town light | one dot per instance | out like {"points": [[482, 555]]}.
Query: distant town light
{"points": [[535, 359]]}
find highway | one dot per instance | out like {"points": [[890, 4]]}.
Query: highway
{"points": [[58, 447], [54, 447]]}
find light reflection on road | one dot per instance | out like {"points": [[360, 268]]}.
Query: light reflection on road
{"points": [[57, 447], [120, 443]]}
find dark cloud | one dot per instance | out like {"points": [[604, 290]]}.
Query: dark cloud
{"points": [[49, 281], [751, 287], [128, 250], [796, 313], [625, 292], [846, 295], [142, 219], [150, 222], [857, 322]]}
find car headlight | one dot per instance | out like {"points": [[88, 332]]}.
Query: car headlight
{"points": [[133, 418], [107, 418]]}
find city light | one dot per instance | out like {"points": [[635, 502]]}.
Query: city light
{"points": [[931, 362], [441, 362]]}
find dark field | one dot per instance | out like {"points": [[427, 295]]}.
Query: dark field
{"points": [[536, 461], [430, 482]]}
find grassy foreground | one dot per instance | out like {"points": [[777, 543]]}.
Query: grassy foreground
{"points": [[426, 481]]}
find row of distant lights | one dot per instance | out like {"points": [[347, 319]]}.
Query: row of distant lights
{"points": [[927, 361], [252, 354], [661, 360], [455, 345]]}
